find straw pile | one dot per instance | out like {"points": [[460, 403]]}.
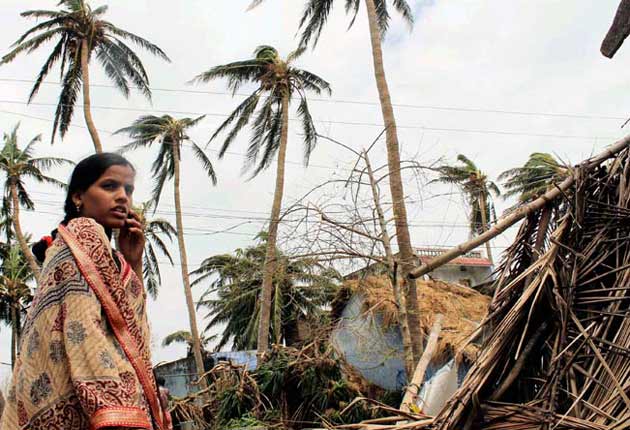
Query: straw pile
{"points": [[463, 309]]}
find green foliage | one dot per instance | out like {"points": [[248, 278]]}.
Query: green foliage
{"points": [[154, 230], [18, 164], [170, 134], [275, 79], [316, 12], [15, 293], [290, 389], [476, 187], [301, 288], [71, 25], [244, 422], [534, 178]]}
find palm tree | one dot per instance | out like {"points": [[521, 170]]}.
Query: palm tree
{"points": [[300, 289], [535, 178], [478, 190], [184, 336], [313, 20], [171, 134], [15, 293], [20, 164], [154, 228], [278, 82], [81, 32]]}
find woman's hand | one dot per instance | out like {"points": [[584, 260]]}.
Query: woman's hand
{"points": [[131, 241]]}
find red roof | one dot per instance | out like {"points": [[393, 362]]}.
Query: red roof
{"points": [[462, 261], [471, 259]]}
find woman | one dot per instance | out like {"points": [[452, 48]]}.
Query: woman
{"points": [[84, 358]]}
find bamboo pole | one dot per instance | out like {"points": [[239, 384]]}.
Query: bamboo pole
{"points": [[418, 376], [509, 220]]}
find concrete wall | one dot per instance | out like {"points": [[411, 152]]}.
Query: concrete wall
{"points": [[180, 375], [458, 274], [375, 352]]}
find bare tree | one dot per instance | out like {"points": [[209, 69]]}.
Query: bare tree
{"points": [[354, 232]]}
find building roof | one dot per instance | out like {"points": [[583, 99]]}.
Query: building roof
{"points": [[472, 259]]}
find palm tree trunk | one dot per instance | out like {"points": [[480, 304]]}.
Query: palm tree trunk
{"points": [[192, 317], [270, 255], [484, 223], [14, 335], [400, 299], [407, 256], [87, 113], [30, 258]]}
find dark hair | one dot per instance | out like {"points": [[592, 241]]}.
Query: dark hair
{"points": [[85, 173], [160, 381]]}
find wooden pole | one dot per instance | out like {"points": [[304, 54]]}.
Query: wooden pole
{"points": [[509, 220], [418, 376]]}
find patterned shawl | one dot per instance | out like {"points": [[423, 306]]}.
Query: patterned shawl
{"points": [[84, 360]]}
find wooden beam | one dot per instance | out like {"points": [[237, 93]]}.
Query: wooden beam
{"points": [[411, 394]]}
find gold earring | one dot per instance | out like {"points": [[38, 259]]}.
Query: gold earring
{"points": [[78, 206]]}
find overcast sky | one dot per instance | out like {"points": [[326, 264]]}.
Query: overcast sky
{"points": [[492, 79]]}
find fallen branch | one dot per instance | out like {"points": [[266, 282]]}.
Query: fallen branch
{"points": [[418, 376]]}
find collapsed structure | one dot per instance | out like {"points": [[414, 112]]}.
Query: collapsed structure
{"points": [[557, 351]]}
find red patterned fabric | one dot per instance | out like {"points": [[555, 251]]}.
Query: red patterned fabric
{"points": [[84, 360]]}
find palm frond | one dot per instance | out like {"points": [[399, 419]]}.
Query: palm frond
{"points": [[205, 162], [313, 20], [65, 107], [308, 128], [140, 41]]}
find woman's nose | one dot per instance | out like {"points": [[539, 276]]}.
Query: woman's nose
{"points": [[121, 195]]}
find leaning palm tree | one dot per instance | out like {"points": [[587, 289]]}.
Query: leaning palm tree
{"points": [[80, 33], [15, 294], [171, 134], [300, 289], [18, 165], [184, 336], [154, 228], [313, 20], [532, 180], [478, 190], [277, 82]]}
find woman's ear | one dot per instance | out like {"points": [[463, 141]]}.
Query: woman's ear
{"points": [[76, 199]]}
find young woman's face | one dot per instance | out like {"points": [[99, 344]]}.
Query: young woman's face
{"points": [[109, 199]]}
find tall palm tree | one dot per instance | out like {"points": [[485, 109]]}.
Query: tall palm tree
{"points": [[313, 20], [80, 32], [278, 83], [478, 190], [533, 179], [154, 228], [171, 134], [18, 165], [300, 289], [15, 294]]}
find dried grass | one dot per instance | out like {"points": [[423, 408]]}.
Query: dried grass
{"points": [[463, 309]]}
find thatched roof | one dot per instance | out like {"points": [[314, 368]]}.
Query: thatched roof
{"points": [[463, 309]]}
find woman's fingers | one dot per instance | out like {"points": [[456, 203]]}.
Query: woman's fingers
{"points": [[133, 223]]}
